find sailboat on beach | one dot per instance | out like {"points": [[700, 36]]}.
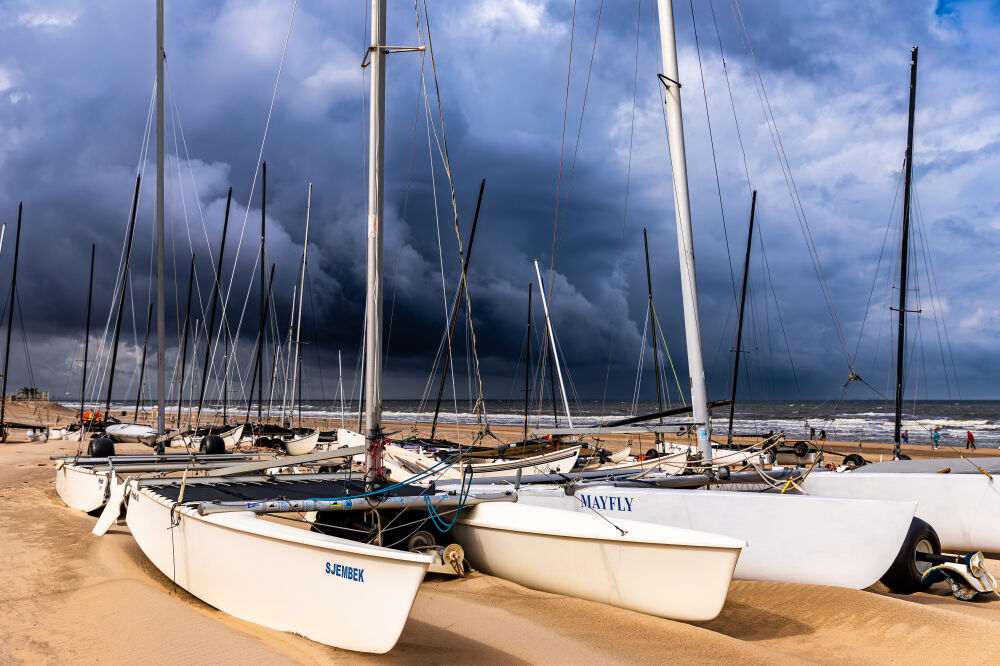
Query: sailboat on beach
{"points": [[790, 538]]}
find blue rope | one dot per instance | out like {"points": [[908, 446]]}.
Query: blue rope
{"points": [[381, 491], [436, 517]]}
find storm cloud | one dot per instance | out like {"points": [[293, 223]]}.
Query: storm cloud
{"points": [[76, 81]]}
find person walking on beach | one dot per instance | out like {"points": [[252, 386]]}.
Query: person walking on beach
{"points": [[970, 441], [936, 436], [812, 432], [905, 436], [822, 435]]}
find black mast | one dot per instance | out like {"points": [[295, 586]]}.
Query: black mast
{"points": [[904, 255], [458, 306], [86, 340], [121, 300], [184, 344], [739, 319], [263, 288], [142, 365], [652, 330], [211, 316], [527, 367], [10, 324], [260, 342]]}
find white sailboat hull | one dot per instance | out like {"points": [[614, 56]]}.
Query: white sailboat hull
{"points": [[81, 488], [302, 445], [290, 582], [790, 538], [555, 462], [585, 556], [129, 432], [964, 509], [232, 437]]}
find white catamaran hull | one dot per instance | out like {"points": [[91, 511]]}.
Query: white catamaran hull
{"points": [[413, 462], [334, 591], [129, 432], [790, 538], [964, 509], [81, 488], [585, 556]]}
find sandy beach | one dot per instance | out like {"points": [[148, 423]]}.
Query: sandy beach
{"points": [[69, 596]]}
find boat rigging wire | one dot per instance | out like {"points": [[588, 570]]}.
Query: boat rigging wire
{"points": [[628, 183]]}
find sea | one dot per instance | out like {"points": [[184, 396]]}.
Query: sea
{"points": [[849, 420]]}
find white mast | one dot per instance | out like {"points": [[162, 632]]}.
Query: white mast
{"points": [[685, 243], [552, 341], [376, 170], [161, 356], [298, 325], [340, 387], [288, 362]]}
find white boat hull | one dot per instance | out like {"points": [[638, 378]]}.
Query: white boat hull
{"points": [[129, 432], [81, 488], [302, 445], [585, 556], [964, 509], [412, 462], [290, 581], [790, 538], [232, 437]]}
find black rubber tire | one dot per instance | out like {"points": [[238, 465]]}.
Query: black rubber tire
{"points": [[801, 449], [856, 460], [102, 447], [903, 577], [212, 444], [652, 453]]}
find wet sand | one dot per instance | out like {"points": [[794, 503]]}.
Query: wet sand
{"points": [[68, 596]]}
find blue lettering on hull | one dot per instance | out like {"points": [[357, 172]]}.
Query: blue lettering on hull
{"points": [[607, 502], [350, 573]]}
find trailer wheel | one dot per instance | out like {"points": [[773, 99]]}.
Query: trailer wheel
{"points": [[854, 461], [102, 447], [801, 449], [903, 577], [212, 444]]}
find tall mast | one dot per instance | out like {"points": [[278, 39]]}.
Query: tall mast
{"points": [[288, 359], [185, 334], [904, 255], [263, 288], [340, 387], [373, 311], [10, 325], [552, 341], [121, 301], [652, 331], [86, 339], [739, 319], [215, 300], [302, 283], [161, 385], [682, 215], [527, 366], [457, 308], [142, 364]]}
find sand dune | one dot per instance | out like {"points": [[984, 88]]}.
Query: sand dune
{"points": [[69, 596]]}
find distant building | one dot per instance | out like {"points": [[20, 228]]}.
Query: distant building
{"points": [[29, 393]]}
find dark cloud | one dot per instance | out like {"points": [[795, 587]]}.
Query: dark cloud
{"points": [[76, 81]]}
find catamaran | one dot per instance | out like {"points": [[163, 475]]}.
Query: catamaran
{"points": [[787, 535]]}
